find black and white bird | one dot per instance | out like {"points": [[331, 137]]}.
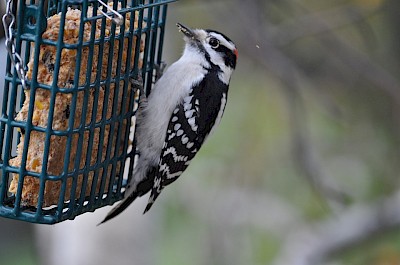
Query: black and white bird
{"points": [[183, 108]]}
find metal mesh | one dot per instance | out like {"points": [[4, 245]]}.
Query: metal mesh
{"points": [[66, 142]]}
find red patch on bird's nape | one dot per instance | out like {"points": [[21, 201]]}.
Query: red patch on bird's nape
{"points": [[236, 53]]}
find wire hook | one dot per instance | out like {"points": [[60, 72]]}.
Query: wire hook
{"points": [[119, 19]]}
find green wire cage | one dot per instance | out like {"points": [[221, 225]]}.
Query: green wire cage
{"points": [[69, 100]]}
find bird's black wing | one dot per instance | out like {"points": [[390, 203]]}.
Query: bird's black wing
{"points": [[190, 124]]}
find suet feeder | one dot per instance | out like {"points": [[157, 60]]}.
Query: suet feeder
{"points": [[74, 67]]}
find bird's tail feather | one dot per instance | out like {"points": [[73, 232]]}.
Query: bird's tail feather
{"points": [[141, 189], [120, 207]]}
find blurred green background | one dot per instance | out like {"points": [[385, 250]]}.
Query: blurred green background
{"points": [[303, 168]]}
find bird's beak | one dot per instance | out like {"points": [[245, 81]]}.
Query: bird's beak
{"points": [[188, 32]]}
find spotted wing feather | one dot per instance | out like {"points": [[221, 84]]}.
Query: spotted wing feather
{"points": [[189, 126]]}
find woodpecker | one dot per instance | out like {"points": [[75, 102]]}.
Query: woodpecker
{"points": [[183, 108]]}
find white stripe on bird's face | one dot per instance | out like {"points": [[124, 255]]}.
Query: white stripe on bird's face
{"points": [[217, 56]]}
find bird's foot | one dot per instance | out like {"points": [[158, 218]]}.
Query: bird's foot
{"points": [[159, 69]]}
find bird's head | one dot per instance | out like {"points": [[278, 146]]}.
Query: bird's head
{"points": [[217, 48]]}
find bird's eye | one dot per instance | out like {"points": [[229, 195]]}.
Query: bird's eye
{"points": [[214, 43]]}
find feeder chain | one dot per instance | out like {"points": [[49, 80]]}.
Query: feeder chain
{"points": [[16, 60]]}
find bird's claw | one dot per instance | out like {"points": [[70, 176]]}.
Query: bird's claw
{"points": [[159, 69], [137, 84]]}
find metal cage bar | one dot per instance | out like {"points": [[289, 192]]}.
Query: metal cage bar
{"points": [[96, 152]]}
